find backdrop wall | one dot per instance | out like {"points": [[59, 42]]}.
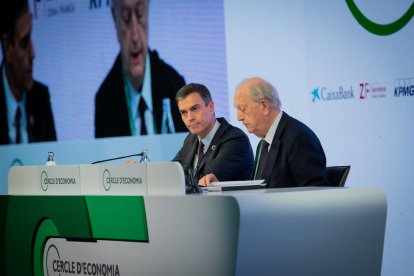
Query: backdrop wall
{"points": [[354, 86], [318, 46]]}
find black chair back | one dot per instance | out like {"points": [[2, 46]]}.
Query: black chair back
{"points": [[337, 175]]}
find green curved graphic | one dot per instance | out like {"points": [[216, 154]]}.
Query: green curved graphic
{"points": [[380, 29], [47, 228], [47, 254], [16, 162], [103, 179], [42, 180]]}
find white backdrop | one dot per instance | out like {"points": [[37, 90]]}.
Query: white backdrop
{"points": [[305, 48], [303, 45]]}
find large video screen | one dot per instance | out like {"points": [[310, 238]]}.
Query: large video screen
{"points": [[76, 45]]}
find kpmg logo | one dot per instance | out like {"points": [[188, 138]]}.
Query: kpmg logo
{"points": [[372, 90], [404, 87], [328, 94]]}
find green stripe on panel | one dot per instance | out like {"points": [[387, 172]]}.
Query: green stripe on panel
{"points": [[117, 217]]}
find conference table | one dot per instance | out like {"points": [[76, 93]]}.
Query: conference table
{"points": [[291, 231]]}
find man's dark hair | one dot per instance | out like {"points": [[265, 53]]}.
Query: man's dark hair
{"points": [[9, 16], [193, 88]]}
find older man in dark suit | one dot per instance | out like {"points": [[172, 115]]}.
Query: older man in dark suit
{"points": [[289, 154], [131, 99]]}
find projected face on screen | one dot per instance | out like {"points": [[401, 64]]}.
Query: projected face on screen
{"points": [[125, 46], [19, 53], [131, 22]]}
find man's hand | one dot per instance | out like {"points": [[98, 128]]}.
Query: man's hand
{"points": [[207, 179]]}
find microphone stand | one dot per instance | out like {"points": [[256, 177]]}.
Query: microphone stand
{"points": [[116, 158]]}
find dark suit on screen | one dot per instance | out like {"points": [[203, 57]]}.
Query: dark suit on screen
{"points": [[111, 109], [39, 116], [296, 157], [229, 156]]}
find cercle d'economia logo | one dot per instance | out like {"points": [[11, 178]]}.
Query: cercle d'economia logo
{"points": [[43, 181], [106, 184], [52, 257], [380, 29]]}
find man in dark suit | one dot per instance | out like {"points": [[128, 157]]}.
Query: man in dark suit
{"points": [[290, 154], [140, 86], [214, 149], [25, 110]]}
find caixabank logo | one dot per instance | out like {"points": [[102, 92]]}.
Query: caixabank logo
{"points": [[332, 94], [404, 87]]}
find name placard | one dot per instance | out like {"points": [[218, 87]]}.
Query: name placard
{"points": [[98, 179], [114, 179], [45, 180]]}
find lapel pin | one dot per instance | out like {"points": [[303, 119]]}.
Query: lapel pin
{"points": [[213, 147]]}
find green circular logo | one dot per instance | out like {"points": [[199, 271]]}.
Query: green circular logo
{"points": [[380, 29], [43, 176], [106, 184], [53, 251], [16, 162]]}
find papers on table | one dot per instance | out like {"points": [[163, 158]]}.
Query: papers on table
{"points": [[235, 185]]}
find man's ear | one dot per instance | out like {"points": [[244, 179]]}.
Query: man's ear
{"points": [[265, 105], [211, 106]]}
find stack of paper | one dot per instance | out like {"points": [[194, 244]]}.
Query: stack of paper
{"points": [[235, 185]]}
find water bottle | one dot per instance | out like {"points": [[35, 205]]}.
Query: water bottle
{"points": [[167, 125], [145, 157], [50, 159]]}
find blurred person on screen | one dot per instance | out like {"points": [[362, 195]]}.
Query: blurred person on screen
{"points": [[131, 99], [289, 154], [25, 109], [214, 150]]}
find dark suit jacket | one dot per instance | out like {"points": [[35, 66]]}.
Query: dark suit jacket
{"points": [[229, 156], [39, 116], [296, 157], [111, 110]]}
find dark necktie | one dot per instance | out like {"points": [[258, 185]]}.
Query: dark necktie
{"points": [[142, 106], [17, 124], [200, 152], [263, 158]]}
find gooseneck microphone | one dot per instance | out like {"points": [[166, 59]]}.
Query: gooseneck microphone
{"points": [[144, 157], [191, 181]]}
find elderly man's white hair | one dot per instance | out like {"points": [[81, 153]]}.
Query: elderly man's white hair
{"points": [[259, 89]]}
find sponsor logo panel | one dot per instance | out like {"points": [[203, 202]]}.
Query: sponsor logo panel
{"points": [[404, 87]]}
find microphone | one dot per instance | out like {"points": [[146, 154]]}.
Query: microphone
{"points": [[143, 154], [191, 185]]}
